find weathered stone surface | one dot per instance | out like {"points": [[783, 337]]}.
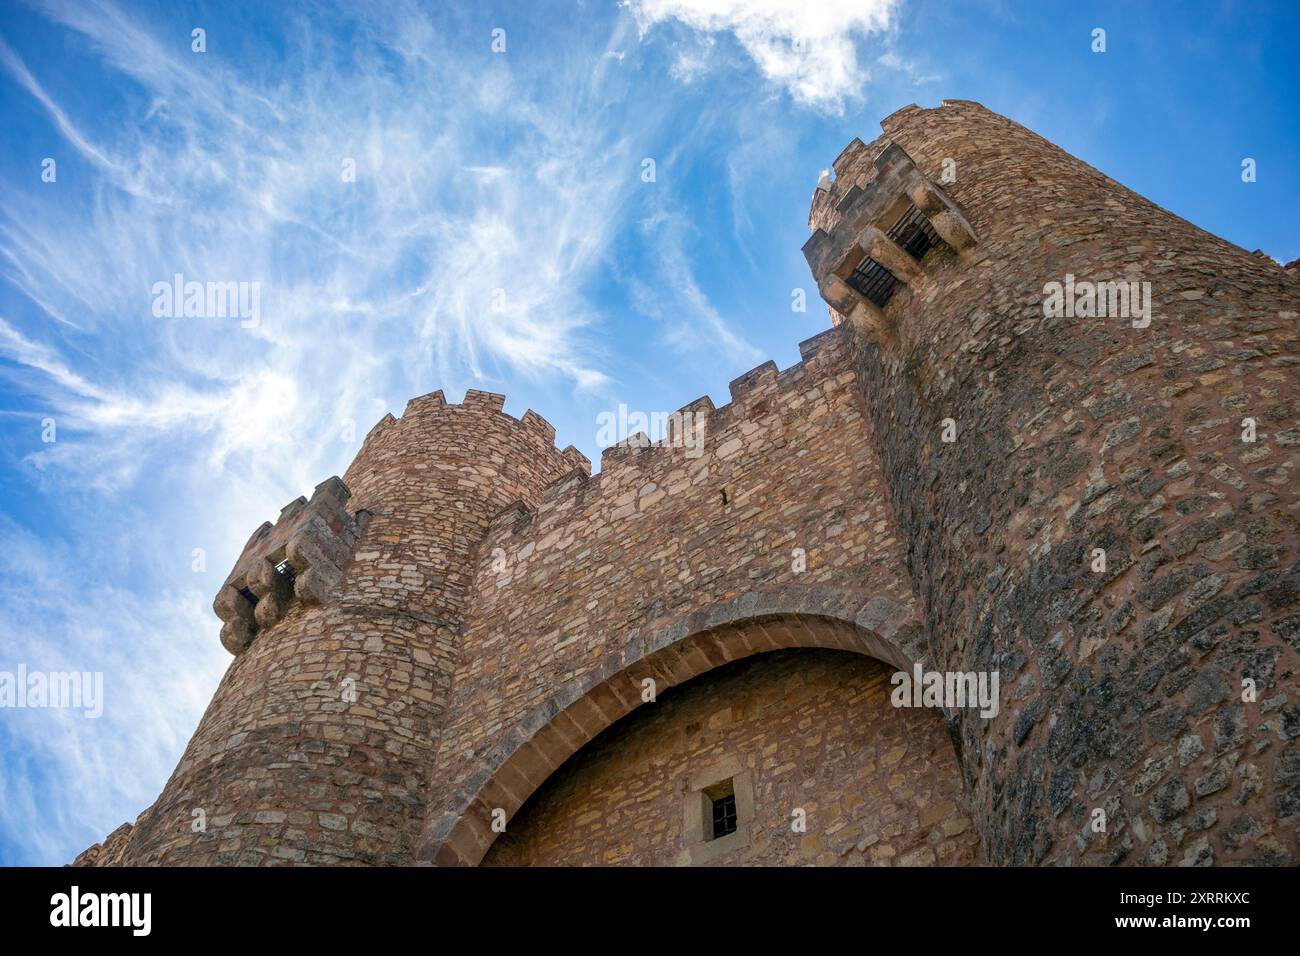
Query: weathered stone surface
{"points": [[1083, 433], [816, 731], [303, 555]]}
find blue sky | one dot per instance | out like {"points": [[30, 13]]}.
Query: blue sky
{"points": [[476, 171]]}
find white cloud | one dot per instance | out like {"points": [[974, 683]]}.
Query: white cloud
{"points": [[808, 48], [71, 134], [255, 166], [460, 255], [915, 75]]}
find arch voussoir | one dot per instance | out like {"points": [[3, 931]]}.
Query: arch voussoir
{"points": [[554, 746]]}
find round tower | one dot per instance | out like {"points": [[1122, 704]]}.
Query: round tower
{"points": [[1086, 411], [343, 617]]}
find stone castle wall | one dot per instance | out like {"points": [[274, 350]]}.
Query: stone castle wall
{"points": [[568, 596]]}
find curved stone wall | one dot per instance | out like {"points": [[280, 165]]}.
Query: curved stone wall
{"points": [[318, 744], [1126, 690]]}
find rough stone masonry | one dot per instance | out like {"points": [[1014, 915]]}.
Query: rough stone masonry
{"points": [[469, 649]]}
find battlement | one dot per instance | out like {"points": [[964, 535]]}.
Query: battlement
{"points": [[843, 162], [638, 461], [302, 556], [855, 165], [434, 405]]}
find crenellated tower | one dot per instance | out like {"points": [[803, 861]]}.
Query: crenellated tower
{"points": [[343, 618], [1099, 499]]}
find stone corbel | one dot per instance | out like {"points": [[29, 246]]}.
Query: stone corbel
{"points": [[889, 254], [847, 302], [943, 214]]}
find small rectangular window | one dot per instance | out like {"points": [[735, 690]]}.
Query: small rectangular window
{"points": [[718, 812], [724, 815]]}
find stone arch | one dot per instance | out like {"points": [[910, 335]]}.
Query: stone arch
{"points": [[507, 774]]}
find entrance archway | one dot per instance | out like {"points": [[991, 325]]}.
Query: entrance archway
{"points": [[788, 758], [710, 637]]}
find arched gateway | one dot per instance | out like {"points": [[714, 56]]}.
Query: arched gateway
{"points": [[508, 774]]}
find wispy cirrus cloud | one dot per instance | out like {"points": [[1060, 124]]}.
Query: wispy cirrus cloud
{"points": [[67, 777], [465, 230], [418, 212]]}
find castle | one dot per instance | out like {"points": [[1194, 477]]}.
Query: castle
{"points": [[470, 650]]}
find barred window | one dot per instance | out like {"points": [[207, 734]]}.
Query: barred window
{"points": [[724, 815], [873, 281], [914, 233]]}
